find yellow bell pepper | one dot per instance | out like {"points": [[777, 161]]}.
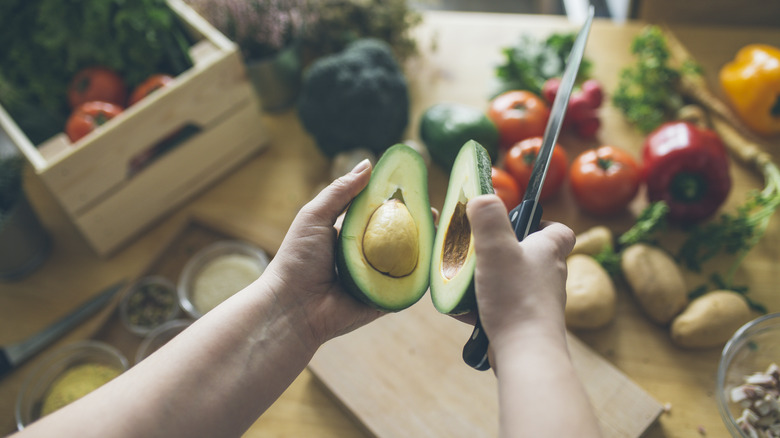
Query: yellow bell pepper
{"points": [[752, 84]]}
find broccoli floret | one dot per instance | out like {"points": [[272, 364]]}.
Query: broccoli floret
{"points": [[357, 98]]}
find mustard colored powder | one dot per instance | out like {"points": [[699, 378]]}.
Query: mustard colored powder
{"points": [[75, 383]]}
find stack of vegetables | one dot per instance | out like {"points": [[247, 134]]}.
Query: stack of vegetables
{"points": [[47, 42], [683, 164]]}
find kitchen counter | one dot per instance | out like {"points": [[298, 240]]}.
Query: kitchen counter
{"points": [[260, 199]]}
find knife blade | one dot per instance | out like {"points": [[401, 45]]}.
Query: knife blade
{"points": [[13, 355], [526, 216]]}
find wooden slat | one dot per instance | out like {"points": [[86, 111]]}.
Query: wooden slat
{"points": [[173, 179]]}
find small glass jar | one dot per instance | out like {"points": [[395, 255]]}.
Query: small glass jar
{"points": [[752, 349], [149, 303], [37, 385], [216, 272]]}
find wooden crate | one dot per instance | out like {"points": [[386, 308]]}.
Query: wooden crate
{"points": [[106, 182]]}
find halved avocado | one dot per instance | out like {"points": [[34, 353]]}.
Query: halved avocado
{"points": [[453, 263], [383, 255]]}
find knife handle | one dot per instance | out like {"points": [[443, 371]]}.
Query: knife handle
{"points": [[521, 218], [5, 364], [476, 348]]}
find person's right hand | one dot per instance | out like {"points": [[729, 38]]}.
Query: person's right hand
{"points": [[520, 286]]}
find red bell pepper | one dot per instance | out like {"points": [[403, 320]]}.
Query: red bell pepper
{"points": [[688, 167]]}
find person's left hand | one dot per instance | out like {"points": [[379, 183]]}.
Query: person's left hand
{"points": [[304, 264]]}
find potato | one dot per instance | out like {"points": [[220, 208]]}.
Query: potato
{"points": [[710, 320], [593, 241], [655, 280], [590, 293]]}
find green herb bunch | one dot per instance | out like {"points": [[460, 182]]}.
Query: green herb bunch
{"points": [[531, 62], [647, 91], [46, 42], [10, 183], [261, 28]]}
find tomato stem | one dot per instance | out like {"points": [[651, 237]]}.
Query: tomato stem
{"points": [[604, 163], [688, 187]]}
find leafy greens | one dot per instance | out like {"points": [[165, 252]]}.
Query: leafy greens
{"points": [[45, 42]]}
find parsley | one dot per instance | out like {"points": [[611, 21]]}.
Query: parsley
{"points": [[531, 62], [647, 90]]}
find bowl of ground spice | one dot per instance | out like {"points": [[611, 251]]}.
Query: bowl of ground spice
{"points": [[216, 272], [148, 304], [65, 375]]}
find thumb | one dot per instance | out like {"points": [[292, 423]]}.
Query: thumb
{"points": [[489, 222], [334, 198]]}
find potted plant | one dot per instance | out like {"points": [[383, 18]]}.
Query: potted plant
{"points": [[24, 243], [266, 31]]}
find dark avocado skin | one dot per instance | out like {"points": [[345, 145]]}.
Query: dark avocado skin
{"points": [[348, 283], [445, 127]]}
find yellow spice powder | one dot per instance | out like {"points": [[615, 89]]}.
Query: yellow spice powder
{"points": [[75, 383]]}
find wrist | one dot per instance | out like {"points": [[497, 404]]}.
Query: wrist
{"points": [[285, 310], [528, 334]]}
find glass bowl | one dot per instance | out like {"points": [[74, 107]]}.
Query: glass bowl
{"points": [[149, 303], [216, 272], [35, 396], [752, 349], [159, 337]]}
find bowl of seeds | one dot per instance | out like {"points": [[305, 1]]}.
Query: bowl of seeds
{"points": [[748, 380], [149, 303]]}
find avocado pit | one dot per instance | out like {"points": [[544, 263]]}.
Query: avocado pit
{"points": [[390, 240]]}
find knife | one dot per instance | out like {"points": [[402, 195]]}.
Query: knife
{"points": [[526, 216], [11, 356]]}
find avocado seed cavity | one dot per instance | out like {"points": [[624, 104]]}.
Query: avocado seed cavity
{"points": [[456, 243], [390, 241]]}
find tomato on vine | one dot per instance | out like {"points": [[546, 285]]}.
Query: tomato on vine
{"points": [[604, 180], [506, 188], [97, 84], [518, 115], [519, 162], [88, 116]]}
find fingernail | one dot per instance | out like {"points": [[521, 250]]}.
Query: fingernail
{"points": [[361, 166]]}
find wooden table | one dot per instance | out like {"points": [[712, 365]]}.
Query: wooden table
{"points": [[260, 199]]}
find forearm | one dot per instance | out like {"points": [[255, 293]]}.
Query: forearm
{"points": [[213, 380], [539, 391]]}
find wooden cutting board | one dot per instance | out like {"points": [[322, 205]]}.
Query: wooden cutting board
{"points": [[402, 376]]}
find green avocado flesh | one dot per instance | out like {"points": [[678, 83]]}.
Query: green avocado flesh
{"points": [[453, 263], [383, 254]]}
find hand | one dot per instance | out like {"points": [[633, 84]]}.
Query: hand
{"points": [[303, 269], [518, 285]]}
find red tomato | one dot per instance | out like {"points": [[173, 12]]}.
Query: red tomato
{"points": [[89, 116], [147, 87], [506, 188], [519, 162], [96, 83], [518, 115], [604, 180]]}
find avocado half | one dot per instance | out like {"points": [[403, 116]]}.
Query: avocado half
{"points": [[453, 263], [383, 254]]}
